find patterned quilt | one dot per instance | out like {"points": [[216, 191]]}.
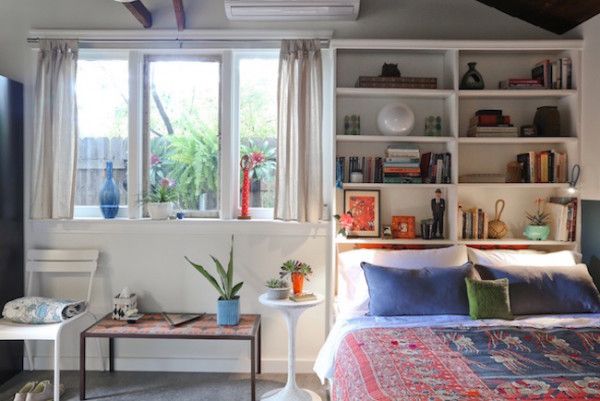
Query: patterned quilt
{"points": [[411, 364]]}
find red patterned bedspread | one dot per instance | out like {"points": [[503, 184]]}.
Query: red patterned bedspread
{"points": [[412, 364]]}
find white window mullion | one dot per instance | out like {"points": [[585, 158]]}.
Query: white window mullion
{"points": [[229, 139], [136, 128]]}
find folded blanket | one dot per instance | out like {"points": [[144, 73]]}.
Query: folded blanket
{"points": [[38, 310]]}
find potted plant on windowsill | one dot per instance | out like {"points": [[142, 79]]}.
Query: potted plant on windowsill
{"points": [[277, 289], [538, 228], [160, 200], [228, 304], [298, 271]]}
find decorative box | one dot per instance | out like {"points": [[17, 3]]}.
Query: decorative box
{"points": [[123, 305]]}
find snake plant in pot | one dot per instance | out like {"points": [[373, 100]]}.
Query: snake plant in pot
{"points": [[228, 304]]}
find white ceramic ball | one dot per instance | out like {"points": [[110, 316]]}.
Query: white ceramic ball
{"points": [[396, 119]]}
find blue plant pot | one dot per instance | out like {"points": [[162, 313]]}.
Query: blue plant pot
{"points": [[109, 195], [228, 312], [537, 233]]}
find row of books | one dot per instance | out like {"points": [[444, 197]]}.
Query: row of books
{"points": [[548, 166], [429, 168], [563, 218], [402, 165], [396, 82], [472, 224], [370, 167], [555, 74]]}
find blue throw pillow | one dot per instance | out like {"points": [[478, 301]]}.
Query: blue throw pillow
{"points": [[424, 291]]}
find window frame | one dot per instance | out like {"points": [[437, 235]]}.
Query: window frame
{"points": [[229, 135], [148, 59]]}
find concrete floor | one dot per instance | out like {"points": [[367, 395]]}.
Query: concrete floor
{"points": [[159, 386]]}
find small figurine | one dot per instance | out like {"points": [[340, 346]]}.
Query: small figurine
{"points": [[438, 208]]}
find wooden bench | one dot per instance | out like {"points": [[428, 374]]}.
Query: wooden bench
{"points": [[154, 326]]}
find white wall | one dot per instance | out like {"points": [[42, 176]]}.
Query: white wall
{"points": [[590, 182], [148, 257], [423, 19]]}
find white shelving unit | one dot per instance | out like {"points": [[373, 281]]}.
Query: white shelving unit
{"points": [[447, 61]]}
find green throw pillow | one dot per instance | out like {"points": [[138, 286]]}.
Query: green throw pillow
{"points": [[488, 299]]}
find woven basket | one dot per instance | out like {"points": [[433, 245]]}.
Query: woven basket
{"points": [[497, 229]]}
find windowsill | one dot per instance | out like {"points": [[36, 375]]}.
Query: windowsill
{"points": [[191, 226]]}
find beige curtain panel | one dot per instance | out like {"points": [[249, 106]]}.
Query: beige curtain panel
{"points": [[299, 178], [55, 131]]}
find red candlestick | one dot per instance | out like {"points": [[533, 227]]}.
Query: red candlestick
{"points": [[246, 165]]}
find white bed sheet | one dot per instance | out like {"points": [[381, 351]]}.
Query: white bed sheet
{"points": [[325, 360]]}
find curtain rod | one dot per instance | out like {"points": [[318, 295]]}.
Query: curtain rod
{"points": [[175, 37]]}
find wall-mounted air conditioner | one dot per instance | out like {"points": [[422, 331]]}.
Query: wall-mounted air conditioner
{"points": [[299, 10]]}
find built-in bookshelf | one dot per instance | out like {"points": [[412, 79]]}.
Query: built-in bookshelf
{"points": [[447, 62]]}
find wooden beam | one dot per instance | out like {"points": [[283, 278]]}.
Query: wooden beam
{"points": [[140, 12], [179, 14], [558, 16]]}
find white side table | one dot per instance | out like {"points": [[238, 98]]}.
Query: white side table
{"points": [[292, 311]]}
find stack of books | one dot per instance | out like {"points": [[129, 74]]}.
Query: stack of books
{"points": [[520, 83], [402, 165], [491, 124], [563, 218], [436, 168], [548, 166], [472, 224], [304, 297], [556, 74]]}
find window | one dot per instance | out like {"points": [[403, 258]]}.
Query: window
{"points": [[258, 76], [102, 90], [190, 118], [183, 98]]}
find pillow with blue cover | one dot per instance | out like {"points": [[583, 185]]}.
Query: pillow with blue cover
{"points": [[39, 310], [423, 291], [546, 289]]}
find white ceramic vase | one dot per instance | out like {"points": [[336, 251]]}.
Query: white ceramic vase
{"points": [[160, 210]]}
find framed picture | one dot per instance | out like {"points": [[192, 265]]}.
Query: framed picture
{"points": [[403, 227], [365, 209]]}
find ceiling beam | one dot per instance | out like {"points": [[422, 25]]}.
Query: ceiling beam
{"points": [[179, 14], [140, 12]]}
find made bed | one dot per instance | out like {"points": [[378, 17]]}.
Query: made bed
{"points": [[453, 357]]}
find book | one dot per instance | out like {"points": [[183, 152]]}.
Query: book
{"points": [[177, 319], [489, 120], [304, 297], [495, 112]]}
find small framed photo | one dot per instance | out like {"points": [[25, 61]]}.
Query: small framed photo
{"points": [[403, 227], [387, 231], [365, 209]]}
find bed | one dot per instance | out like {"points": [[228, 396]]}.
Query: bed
{"points": [[452, 357]]}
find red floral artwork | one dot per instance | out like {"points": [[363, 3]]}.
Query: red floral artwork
{"points": [[363, 212]]}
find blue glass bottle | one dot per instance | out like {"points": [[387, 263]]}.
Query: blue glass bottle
{"points": [[109, 194]]}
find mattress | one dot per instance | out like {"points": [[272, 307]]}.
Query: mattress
{"points": [[455, 358]]}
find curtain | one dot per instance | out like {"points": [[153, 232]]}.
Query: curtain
{"points": [[299, 177], [55, 131]]}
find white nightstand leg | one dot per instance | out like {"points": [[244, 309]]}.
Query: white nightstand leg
{"points": [[291, 391]]}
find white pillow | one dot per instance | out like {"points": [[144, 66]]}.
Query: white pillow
{"points": [[503, 257], [353, 293]]}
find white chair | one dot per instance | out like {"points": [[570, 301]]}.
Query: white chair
{"points": [[51, 261]]}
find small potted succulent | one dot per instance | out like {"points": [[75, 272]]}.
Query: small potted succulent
{"points": [[277, 289], [160, 200], [228, 304], [538, 228], [298, 271]]}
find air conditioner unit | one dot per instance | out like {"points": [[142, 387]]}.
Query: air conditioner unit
{"points": [[291, 10]]}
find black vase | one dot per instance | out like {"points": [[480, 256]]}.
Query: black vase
{"points": [[472, 79], [547, 121]]}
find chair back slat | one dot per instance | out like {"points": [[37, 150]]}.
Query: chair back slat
{"points": [[62, 261], [47, 266], [90, 255]]}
